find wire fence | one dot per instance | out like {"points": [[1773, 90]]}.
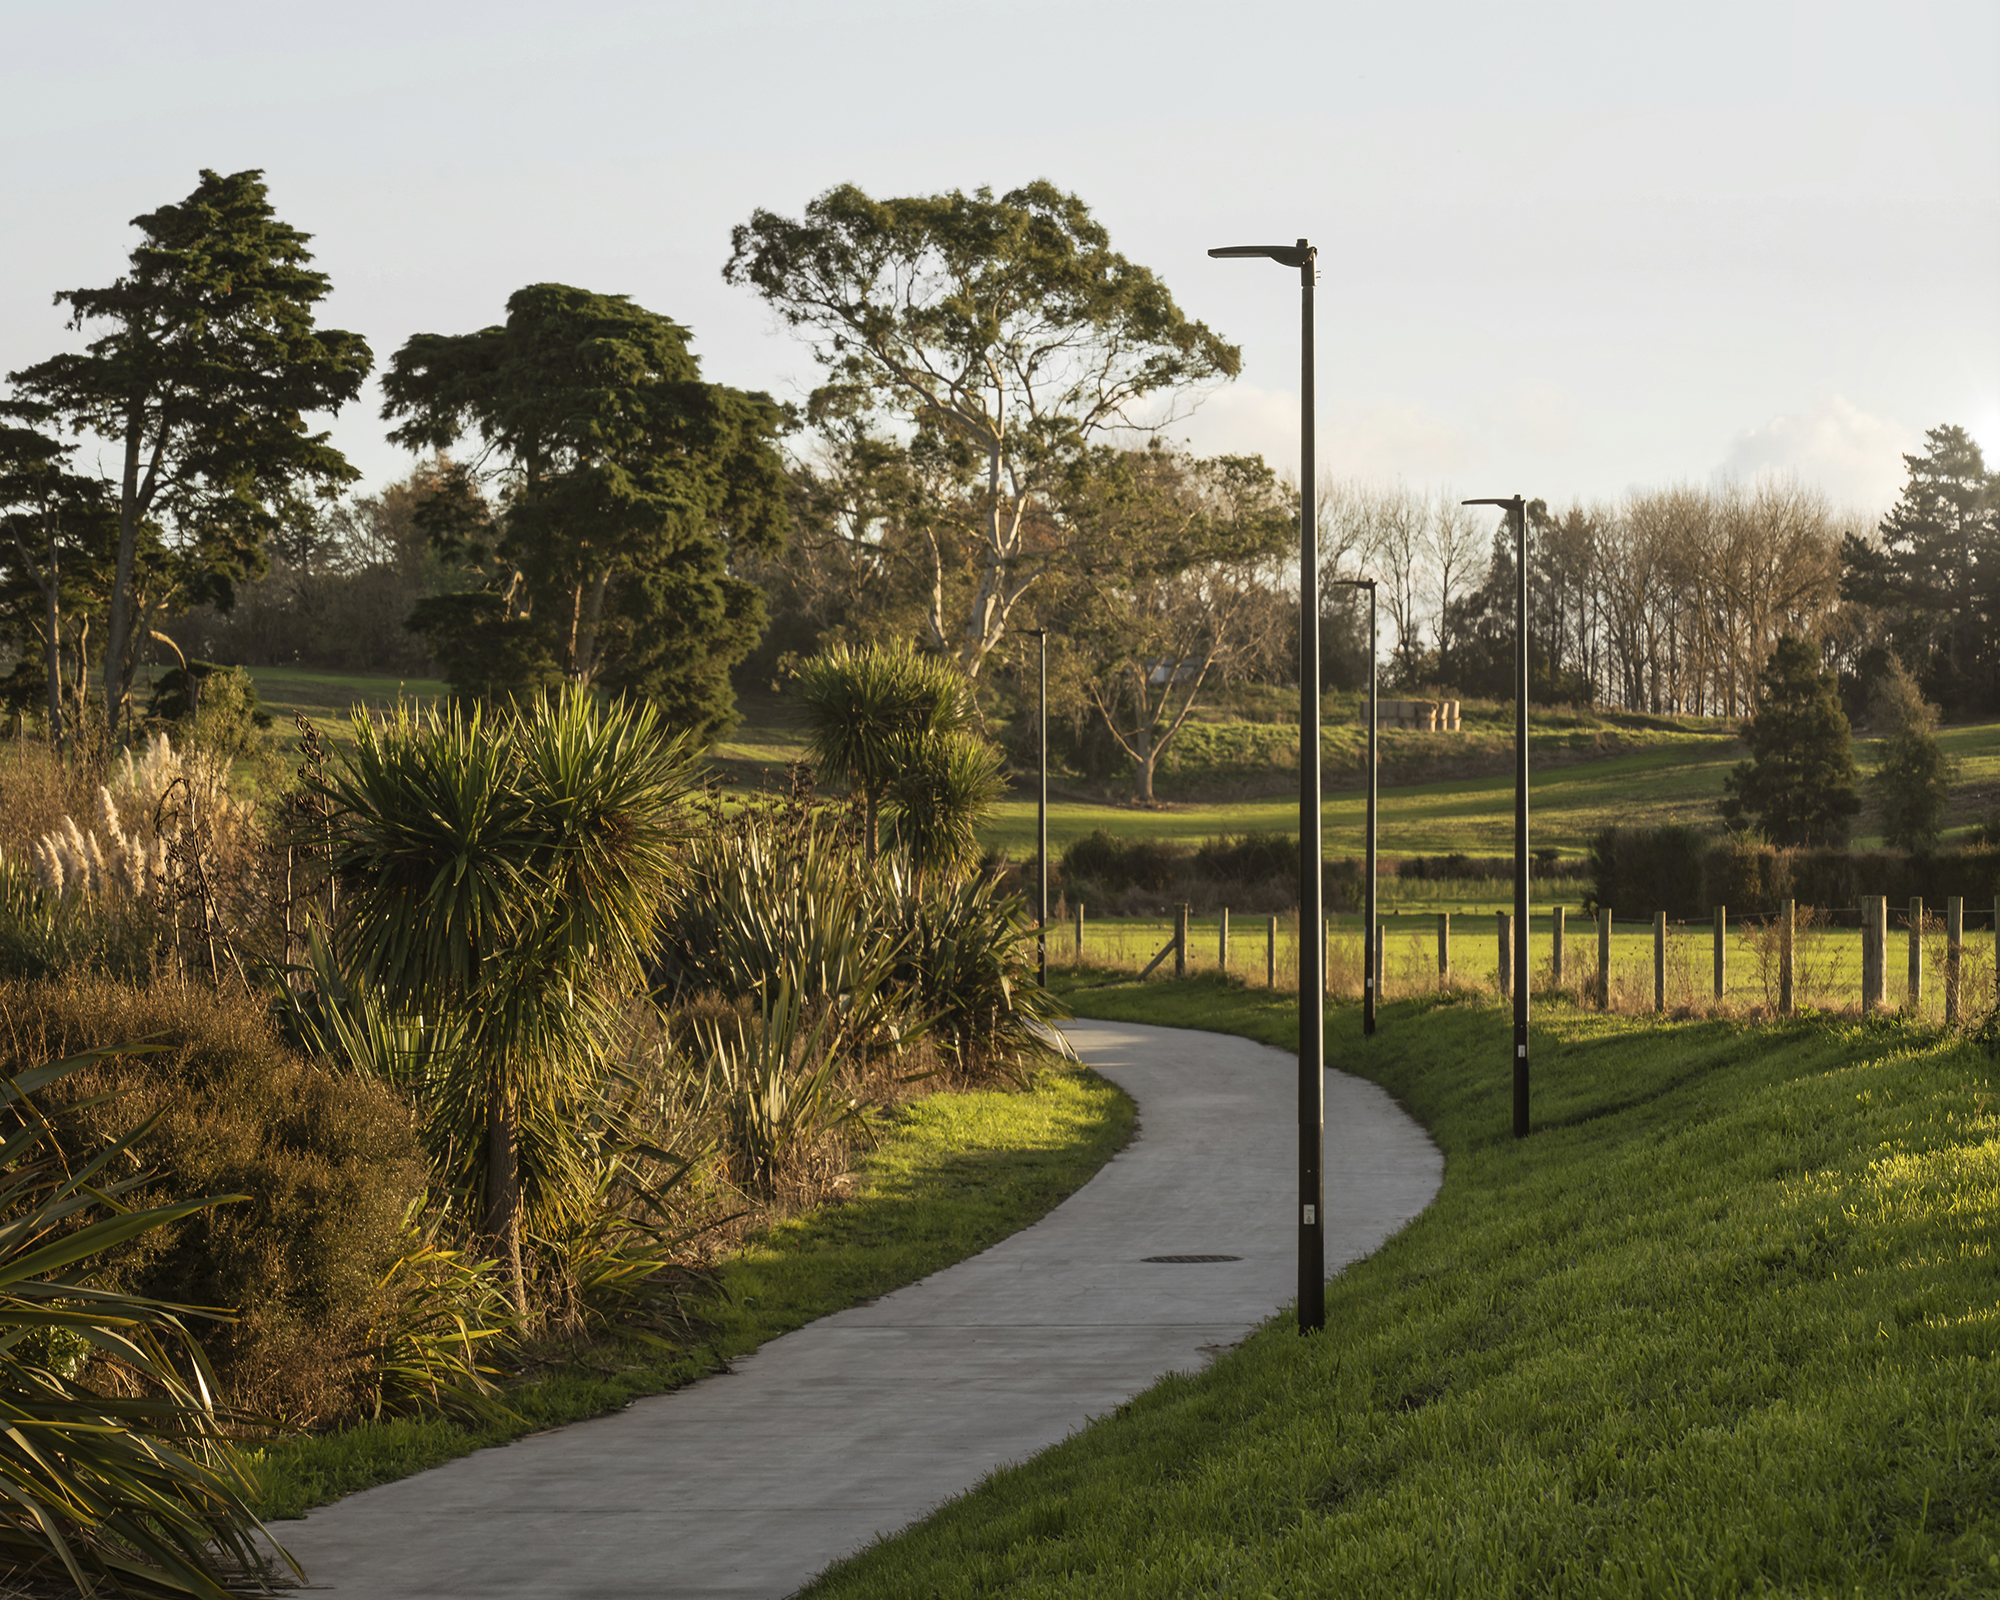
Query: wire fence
{"points": [[1856, 959]]}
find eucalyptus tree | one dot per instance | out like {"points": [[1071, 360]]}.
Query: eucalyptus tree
{"points": [[210, 363], [627, 486], [504, 874], [1171, 587], [995, 339]]}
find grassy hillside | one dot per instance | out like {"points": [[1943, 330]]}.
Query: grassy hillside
{"points": [[1590, 769], [1725, 1324]]}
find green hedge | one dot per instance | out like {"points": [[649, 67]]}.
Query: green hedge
{"points": [[1685, 873]]}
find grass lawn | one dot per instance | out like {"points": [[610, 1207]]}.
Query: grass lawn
{"points": [[1726, 1324], [1676, 783], [1676, 777], [949, 1175], [326, 699]]}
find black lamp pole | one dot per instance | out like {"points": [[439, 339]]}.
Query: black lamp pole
{"points": [[1368, 995], [1042, 810], [1517, 510], [1312, 956]]}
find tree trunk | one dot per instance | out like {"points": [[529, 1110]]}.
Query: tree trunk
{"points": [[117, 648], [502, 1223], [1144, 757]]}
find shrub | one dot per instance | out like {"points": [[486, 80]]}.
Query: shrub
{"points": [[1641, 871], [329, 1164], [138, 1492], [1250, 858], [1115, 863]]}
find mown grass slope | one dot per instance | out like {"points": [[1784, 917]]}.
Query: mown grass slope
{"points": [[1725, 1324]]}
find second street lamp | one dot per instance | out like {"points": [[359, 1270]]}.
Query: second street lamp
{"points": [[1042, 812], [1369, 956], [1517, 512], [1312, 959]]}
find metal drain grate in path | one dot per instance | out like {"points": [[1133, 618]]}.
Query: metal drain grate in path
{"points": [[1179, 1259]]}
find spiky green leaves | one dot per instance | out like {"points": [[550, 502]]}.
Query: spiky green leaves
{"points": [[504, 874], [895, 726]]}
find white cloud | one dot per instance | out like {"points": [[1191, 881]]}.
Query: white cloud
{"points": [[1855, 457]]}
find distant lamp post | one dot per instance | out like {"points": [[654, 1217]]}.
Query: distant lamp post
{"points": [[1517, 510], [1368, 952], [1312, 955], [1042, 810]]}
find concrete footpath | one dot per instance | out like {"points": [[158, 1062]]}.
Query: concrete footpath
{"points": [[749, 1483]]}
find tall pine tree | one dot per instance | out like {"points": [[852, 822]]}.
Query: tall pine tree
{"points": [[1936, 572]]}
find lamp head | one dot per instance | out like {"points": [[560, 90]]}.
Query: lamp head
{"points": [[1286, 255]]}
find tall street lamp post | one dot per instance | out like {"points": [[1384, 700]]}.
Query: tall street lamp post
{"points": [[1312, 955], [1369, 955], [1517, 511], [1042, 810]]}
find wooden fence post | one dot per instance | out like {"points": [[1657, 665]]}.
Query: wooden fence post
{"points": [[1721, 952], [1787, 931], [1444, 948], [1222, 944], [1874, 946], [1916, 956], [1556, 948], [1079, 930], [1603, 958], [1376, 957], [1271, 954], [1659, 961], [1180, 941], [1506, 970], [1954, 953]]}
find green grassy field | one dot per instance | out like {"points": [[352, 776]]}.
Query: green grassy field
{"points": [[1725, 1324], [1677, 777]]}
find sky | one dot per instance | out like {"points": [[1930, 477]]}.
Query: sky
{"points": [[1566, 250]]}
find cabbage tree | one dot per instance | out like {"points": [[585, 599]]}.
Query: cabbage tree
{"points": [[869, 714], [504, 875]]}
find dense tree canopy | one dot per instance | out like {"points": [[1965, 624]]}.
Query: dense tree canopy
{"points": [[626, 483], [210, 365], [994, 339]]}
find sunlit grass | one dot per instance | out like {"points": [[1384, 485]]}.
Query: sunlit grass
{"points": [[1723, 1325]]}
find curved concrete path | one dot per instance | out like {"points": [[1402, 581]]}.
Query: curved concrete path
{"points": [[748, 1484]]}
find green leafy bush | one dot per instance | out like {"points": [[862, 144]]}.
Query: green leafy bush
{"points": [[1641, 871], [329, 1165], [114, 1466]]}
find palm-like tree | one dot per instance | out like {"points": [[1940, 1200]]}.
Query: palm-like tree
{"points": [[505, 875], [867, 711], [946, 785]]}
